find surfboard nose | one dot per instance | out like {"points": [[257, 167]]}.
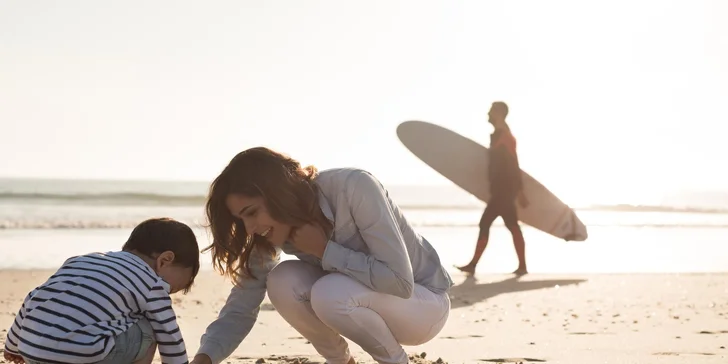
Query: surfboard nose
{"points": [[579, 232], [576, 237], [580, 235]]}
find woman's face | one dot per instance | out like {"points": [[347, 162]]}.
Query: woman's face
{"points": [[257, 220]]}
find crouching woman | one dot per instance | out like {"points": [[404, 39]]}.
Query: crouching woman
{"points": [[362, 271]]}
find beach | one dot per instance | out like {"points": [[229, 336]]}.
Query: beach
{"points": [[116, 113], [551, 318], [648, 285]]}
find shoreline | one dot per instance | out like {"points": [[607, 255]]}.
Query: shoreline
{"points": [[607, 251]]}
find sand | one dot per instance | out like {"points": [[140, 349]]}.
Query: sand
{"points": [[624, 318]]}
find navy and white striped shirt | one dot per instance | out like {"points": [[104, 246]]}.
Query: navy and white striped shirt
{"points": [[74, 316]]}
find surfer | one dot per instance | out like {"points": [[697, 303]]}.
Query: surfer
{"points": [[506, 189]]}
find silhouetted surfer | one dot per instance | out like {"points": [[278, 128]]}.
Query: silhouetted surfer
{"points": [[504, 174]]}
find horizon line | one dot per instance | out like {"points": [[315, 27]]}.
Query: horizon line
{"points": [[121, 179]]}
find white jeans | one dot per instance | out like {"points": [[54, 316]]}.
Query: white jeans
{"points": [[324, 306]]}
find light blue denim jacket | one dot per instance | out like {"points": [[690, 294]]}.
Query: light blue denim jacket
{"points": [[372, 242]]}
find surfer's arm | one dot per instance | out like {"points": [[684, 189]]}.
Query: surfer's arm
{"points": [[518, 182], [387, 268], [510, 166], [518, 178]]}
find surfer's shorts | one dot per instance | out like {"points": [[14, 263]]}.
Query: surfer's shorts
{"points": [[505, 209]]}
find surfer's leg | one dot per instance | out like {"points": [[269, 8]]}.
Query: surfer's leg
{"points": [[510, 219], [489, 215]]}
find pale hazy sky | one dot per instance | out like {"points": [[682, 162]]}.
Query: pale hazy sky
{"points": [[608, 99]]}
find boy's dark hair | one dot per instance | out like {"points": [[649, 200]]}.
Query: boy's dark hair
{"points": [[157, 235]]}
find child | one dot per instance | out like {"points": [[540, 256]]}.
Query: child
{"points": [[111, 308]]}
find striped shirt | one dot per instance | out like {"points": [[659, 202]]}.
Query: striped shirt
{"points": [[74, 316]]}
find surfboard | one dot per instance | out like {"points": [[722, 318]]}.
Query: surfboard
{"points": [[465, 163]]}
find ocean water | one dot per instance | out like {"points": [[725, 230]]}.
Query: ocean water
{"points": [[42, 222]]}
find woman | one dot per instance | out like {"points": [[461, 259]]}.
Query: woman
{"points": [[362, 271]]}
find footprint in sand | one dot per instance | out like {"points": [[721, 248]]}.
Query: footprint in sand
{"points": [[591, 333], [713, 332], [274, 359], [672, 353], [283, 359], [267, 307], [514, 360]]}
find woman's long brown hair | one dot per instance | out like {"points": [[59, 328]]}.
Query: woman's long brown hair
{"points": [[289, 193]]}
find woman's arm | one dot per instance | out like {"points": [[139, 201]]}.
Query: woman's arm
{"points": [[387, 269], [239, 313]]}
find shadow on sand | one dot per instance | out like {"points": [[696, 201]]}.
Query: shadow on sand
{"points": [[470, 292]]}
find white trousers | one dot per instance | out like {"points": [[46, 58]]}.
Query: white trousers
{"points": [[324, 306]]}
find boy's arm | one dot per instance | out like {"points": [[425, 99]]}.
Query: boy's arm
{"points": [[12, 339], [163, 319]]}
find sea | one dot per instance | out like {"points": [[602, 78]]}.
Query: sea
{"points": [[44, 221]]}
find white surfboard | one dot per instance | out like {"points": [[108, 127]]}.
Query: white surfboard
{"points": [[465, 163]]}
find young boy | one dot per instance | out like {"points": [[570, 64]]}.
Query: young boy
{"points": [[111, 308]]}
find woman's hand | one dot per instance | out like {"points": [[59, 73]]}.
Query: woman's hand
{"points": [[310, 239], [12, 358], [201, 359]]}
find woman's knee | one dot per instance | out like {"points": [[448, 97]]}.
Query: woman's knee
{"points": [[290, 279], [333, 293]]}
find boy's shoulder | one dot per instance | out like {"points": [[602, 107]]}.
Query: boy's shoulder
{"points": [[113, 254], [115, 262], [90, 255], [119, 257]]}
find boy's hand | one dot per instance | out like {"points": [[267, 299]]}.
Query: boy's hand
{"points": [[12, 358]]}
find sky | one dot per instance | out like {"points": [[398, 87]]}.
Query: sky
{"points": [[619, 99]]}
